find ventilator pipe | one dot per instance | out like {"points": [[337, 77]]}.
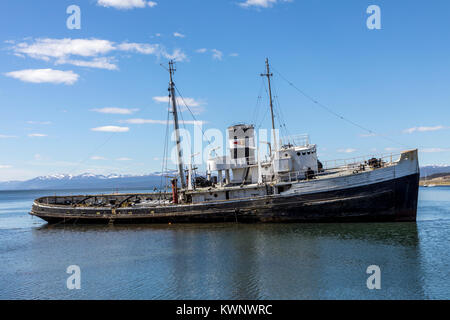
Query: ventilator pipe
{"points": [[174, 191]]}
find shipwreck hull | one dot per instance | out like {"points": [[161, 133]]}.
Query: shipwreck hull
{"points": [[391, 200]]}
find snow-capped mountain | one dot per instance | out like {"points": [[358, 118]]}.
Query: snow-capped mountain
{"points": [[84, 176], [85, 181], [123, 181]]}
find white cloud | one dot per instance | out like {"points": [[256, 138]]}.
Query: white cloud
{"points": [[61, 48], [144, 48], [4, 136], [98, 158], [68, 51], [261, 3], [423, 129], [37, 135], [194, 110], [42, 160], [348, 150], [217, 55], [126, 4], [433, 150], [144, 121], [124, 159], [195, 106], [258, 3], [5, 166], [99, 63], [178, 35], [164, 122], [44, 76], [111, 129], [191, 102], [176, 55], [155, 49], [40, 122], [61, 51], [115, 110]]}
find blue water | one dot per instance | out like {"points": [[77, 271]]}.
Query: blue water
{"points": [[225, 261]]}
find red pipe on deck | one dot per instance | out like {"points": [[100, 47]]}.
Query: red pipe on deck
{"points": [[174, 191]]}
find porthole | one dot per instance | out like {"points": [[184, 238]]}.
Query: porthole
{"points": [[215, 195], [298, 153]]}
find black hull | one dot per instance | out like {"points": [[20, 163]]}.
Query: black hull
{"points": [[393, 200]]}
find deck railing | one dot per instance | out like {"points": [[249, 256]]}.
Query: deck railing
{"points": [[354, 165], [298, 140], [388, 158]]}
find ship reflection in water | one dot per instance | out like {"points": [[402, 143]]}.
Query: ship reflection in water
{"points": [[231, 261], [325, 261]]}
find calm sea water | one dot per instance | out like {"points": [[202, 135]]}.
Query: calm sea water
{"points": [[225, 261]]}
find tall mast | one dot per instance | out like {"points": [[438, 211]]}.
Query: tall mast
{"points": [[268, 75], [175, 120]]}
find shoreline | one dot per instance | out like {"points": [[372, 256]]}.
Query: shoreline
{"points": [[435, 184]]}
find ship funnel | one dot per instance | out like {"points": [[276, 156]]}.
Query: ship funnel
{"points": [[241, 140]]}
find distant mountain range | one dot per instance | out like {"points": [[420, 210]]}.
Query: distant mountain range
{"points": [[426, 171], [117, 181], [86, 181]]}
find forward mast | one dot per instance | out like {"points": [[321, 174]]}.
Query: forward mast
{"points": [[173, 99]]}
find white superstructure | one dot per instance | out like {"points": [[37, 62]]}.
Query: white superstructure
{"points": [[243, 166]]}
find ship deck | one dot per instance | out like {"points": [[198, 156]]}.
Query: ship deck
{"points": [[158, 199], [386, 192]]}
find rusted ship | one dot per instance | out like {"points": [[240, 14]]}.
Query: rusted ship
{"points": [[290, 185]]}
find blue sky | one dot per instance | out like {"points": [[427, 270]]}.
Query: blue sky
{"points": [[58, 85]]}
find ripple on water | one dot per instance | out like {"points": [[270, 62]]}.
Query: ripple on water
{"points": [[226, 261]]}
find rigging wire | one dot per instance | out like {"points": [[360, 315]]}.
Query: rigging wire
{"points": [[329, 110], [77, 165], [183, 123], [281, 122], [258, 101], [276, 113], [280, 113], [165, 152], [267, 109], [192, 114], [195, 119]]}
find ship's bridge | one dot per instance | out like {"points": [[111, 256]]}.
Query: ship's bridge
{"points": [[295, 155]]}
